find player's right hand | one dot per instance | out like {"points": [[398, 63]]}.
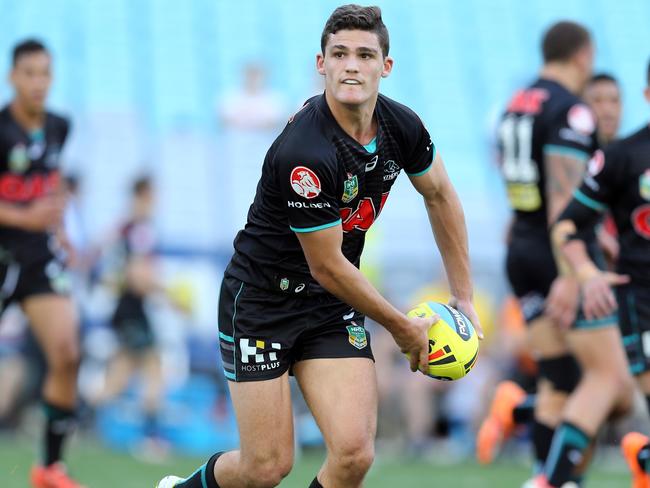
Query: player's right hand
{"points": [[43, 214], [598, 298], [413, 340], [562, 301]]}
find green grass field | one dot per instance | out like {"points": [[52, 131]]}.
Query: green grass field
{"points": [[98, 467]]}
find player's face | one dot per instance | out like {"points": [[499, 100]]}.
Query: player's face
{"points": [[31, 77], [353, 64], [604, 99]]}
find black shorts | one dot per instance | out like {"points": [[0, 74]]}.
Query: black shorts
{"points": [[634, 321], [262, 333], [531, 269], [131, 323], [36, 272]]}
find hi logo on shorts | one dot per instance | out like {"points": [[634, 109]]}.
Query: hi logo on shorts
{"points": [[255, 350]]}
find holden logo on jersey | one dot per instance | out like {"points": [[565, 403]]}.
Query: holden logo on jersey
{"points": [[18, 159], [357, 335], [596, 163], [350, 188], [305, 182], [391, 170], [581, 119], [644, 185]]}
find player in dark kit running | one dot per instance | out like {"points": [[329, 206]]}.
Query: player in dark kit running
{"points": [[547, 135], [32, 271], [618, 180], [293, 299]]}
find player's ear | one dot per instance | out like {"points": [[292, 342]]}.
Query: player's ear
{"points": [[646, 92], [388, 66], [320, 64]]}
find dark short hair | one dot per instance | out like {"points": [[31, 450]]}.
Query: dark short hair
{"points": [[141, 185], [356, 17], [598, 77], [28, 46], [563, 39]]}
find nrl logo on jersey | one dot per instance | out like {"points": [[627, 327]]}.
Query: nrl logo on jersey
{"points": [[18, 159], [350, 188], [644, 185]]}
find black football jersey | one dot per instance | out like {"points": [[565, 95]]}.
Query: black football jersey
{"points": [[619, 178], [316, 176], [29, 169], [541, 119]]}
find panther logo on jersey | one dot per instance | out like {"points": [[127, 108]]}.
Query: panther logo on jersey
{"points": [[305, 182]]}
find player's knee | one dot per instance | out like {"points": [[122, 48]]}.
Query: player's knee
{"points": [[563, 373], [64, 357], [269, 471], [354, 460]]}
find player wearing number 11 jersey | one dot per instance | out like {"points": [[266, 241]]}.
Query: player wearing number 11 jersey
{"points": [[546, 136]]}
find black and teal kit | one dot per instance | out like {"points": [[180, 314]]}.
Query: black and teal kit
{"points": [[543, 119], [314, 176], [30, 262], [618, 179]]}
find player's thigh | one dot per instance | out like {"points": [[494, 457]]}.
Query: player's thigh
{"points": [[342, 395], [265, 419], [546, 339], [53, 319], [599, 349]]}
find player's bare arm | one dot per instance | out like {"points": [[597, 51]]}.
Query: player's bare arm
{"points": [[340, 277], [448, 224], [563, 175], [40, 215]]}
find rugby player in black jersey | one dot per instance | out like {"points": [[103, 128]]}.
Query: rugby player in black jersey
{"points": [[547, 134], [293, 299], [31, 266], [603, 95], [618, 180]]}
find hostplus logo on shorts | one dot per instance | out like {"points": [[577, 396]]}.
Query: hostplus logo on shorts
{"points": [[255, 359]]}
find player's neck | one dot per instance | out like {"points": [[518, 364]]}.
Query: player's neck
{"points": [[563, 74], [356, 121], [27, 119]]}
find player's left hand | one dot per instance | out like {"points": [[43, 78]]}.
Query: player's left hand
{"points": [[562, 301], [467, 307], [598, 298]]}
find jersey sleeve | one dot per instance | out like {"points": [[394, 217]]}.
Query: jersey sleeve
{"points": [[310, 194], [422, 151], [572, 133]]}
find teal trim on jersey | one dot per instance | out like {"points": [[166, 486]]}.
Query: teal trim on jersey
{"points": [[589, 202], [637, 368], [229, 375], [609, 321], [371, 147], [226, 338], [37, 135], [420, 173], [204, 481], [234, 316], [318, 227], [566, 151]]}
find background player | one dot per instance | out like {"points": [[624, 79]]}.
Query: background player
{"points": [[603, 95], [324, 182], [33, 274], [546, 135], [618, 178]]}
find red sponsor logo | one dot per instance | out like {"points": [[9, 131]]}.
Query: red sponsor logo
{"points": [[305, 182], [528, 101], [364, 216], [581, 119], [641, 221], [18, 188], [596, 163]]}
